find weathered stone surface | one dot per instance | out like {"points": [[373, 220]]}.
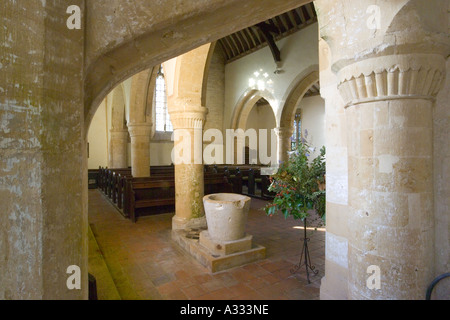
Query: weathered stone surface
{"points": [[140, 148], [222, 248], [388, 78], [43, 176], [226, 215]]}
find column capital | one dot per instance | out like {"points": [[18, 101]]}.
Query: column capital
{"points": [[402, 76], [119, 133], [139, 129], [188, 117], [118, 130], [284, 131]]}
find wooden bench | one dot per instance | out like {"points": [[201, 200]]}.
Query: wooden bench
{"points": [[93, 176], [148, 193], [110, 182], [158, 189], [143, 193]]}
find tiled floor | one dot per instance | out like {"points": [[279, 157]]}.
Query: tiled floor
{"points": [[146, 264]]}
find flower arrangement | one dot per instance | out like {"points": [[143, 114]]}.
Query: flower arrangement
{"points": [[299, 185]]}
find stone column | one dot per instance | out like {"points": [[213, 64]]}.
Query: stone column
{"points": [[284, 142], [43, 166], [388, 60], [140, 149], [189, 176], [390, 157], [118, 148]]}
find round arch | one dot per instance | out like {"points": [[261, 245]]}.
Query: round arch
{"points": [[117, 108], [295, 95], [138, 97], [122, 53], [190, 77], [245, 105]]}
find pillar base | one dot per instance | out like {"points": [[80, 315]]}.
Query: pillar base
{"points": [[331, 293], [187, 224]]}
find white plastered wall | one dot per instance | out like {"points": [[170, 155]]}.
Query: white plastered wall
{"points": [[98, 138], [261, 117], [313, 121]]}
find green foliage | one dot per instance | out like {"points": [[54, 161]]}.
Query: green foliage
{"points": [[299, 185]]}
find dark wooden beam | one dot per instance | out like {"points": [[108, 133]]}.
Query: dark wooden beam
{"points": [[267, 30]]}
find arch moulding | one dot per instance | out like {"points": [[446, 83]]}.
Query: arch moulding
{"points": [[245, 105], [294, 97]]}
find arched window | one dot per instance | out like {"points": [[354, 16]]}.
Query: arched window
{"points": [[160, 101], [297, 135]]}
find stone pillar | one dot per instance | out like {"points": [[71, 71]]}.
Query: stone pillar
{"points": [[334, 283], [284, 142], [43, 166], [390, 157], [140, 149], [189, 175], [388, 60], [118, 148]]}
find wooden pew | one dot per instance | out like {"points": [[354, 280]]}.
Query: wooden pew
{"points": [[111, 183], [117, 184], [156, 191], [265, 184], [93, 176], [121, 189], [146, 193], [234, 176], [217, 184]]}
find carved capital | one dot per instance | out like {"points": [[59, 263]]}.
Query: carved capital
{"points": [[408, 76], [284, 132], [188, 117], [139, 129]]}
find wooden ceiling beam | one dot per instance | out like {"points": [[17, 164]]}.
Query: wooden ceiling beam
{"points": [[267, 31]]}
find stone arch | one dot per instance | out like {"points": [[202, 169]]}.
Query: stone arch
{"points": [[118, 133], [190, 77], [149, 108], [139, 97], [206, 72], [245, 105], [114, 54], [117, 108], [295, 95]]}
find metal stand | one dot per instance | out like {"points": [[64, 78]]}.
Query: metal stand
{"points": [[305, 253]]}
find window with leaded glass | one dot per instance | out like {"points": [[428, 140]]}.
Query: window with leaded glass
{"points": [[297, 134], [162, 119]]}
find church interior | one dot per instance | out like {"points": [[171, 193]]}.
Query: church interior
{"points": [[126, 126]]}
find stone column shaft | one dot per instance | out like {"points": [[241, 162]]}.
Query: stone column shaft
{"points": [[140, 149], [118, 148], [390, 158], [284, 142], [189, 173], [388, 66], [43, 166]]}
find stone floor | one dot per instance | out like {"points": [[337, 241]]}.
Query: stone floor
{"points": [[144, 263]]}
